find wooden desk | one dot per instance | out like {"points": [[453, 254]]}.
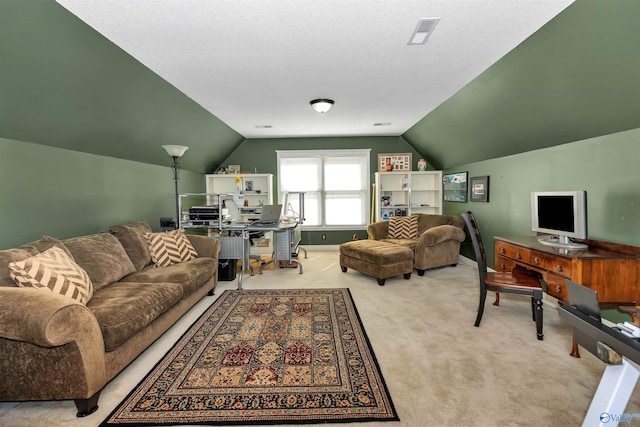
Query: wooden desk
{"points": [[614, 274]]}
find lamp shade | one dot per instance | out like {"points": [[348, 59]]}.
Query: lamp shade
{"points": [[175, 150], [322, 105]]}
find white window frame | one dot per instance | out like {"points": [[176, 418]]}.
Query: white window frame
{"points": [[322, 155]]}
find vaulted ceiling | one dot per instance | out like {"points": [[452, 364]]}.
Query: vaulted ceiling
{"points": [[121, 79]]}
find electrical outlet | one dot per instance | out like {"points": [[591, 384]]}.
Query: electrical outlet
{"points": [[324, 237]]}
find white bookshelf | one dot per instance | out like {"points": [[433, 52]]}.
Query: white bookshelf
{"points": [[404, 193]]}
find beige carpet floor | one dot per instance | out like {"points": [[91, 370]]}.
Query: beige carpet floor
{"points": [[440, 370]]}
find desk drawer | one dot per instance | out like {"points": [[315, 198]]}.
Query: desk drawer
{"points": [[511, 251], [560, 266], [504, 264], [557, 286]]}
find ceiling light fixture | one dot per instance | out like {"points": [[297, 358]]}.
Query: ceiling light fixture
{"points": [[322, 105], [423, 30]]}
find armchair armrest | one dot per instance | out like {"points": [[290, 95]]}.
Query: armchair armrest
{"points": [[378, 230], [439, 234], [208, 247]]}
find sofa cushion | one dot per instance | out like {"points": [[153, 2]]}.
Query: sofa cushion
{"points": [[123, 309], [45, 243], [170, 248], [191, 275], [403, 227], [53, 271], [131, 236], [102, 256]]}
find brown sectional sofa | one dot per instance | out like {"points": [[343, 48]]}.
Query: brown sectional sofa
{"points": [[438, 242], [55, 348]]}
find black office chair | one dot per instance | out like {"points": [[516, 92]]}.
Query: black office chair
{"points": [[519, 281]]}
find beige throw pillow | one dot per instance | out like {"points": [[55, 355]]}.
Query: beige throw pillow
{"points": [[54, 271], [403, 227], [170, 248]]}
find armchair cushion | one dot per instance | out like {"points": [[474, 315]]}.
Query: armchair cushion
{"points": [[403, 227]]}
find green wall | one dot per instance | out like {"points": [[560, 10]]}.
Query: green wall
{"points": [[63, 193], [260, 155], [606, 167]]}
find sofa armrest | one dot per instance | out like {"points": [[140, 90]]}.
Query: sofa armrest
{"points": [[208, 247], [378, 230], [42, 330], [42, 318], [439, 234]]}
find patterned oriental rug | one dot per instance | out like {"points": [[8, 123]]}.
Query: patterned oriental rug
{"points": [[265, 357]]}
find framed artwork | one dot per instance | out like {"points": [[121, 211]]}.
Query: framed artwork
{"points": [[248, 186], [233, 169], [480, 189], [454, 187], [394, 162]]}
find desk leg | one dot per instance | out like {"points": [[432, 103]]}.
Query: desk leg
{"points": [[613, 393]]}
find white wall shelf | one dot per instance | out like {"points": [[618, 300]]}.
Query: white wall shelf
{"points": [[406, 193]]}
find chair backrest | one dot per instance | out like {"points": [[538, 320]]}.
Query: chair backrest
{"points": [[478, 247]]}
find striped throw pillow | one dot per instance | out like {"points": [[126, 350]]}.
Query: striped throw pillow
{"points": [[403, 227], [170, 248], [53, 271]]}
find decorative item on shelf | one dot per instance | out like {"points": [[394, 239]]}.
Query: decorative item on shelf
{"points": [[394, 162], [248, 186], [422, 165], [233, 169], [176, 151], [238, 182]]}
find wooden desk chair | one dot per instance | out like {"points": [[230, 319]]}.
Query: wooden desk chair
{"points": [[519, 281]]}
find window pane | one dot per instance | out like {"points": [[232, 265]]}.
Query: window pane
{"points": [[344, 173], [345, 209], [300, 174], [335, 183], [312, 209]]}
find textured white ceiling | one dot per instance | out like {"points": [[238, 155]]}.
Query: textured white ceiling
{"points": [[260, 62]]}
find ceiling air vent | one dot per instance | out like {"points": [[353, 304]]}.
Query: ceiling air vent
{"points": [[423, 30]]}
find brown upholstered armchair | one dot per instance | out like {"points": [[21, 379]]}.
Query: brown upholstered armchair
{"points": [[437, 244]]}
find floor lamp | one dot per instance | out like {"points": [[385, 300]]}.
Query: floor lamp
{"points": [[176, 151]]}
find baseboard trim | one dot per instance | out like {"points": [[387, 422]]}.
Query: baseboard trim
{"points": [[320, 247]]}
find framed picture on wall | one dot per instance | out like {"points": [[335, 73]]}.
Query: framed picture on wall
{"points": [[394, 162], [480, 189], [454, 187], [233, 169]]}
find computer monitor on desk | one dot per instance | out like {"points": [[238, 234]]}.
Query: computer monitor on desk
{"points": [[270, 215]]}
